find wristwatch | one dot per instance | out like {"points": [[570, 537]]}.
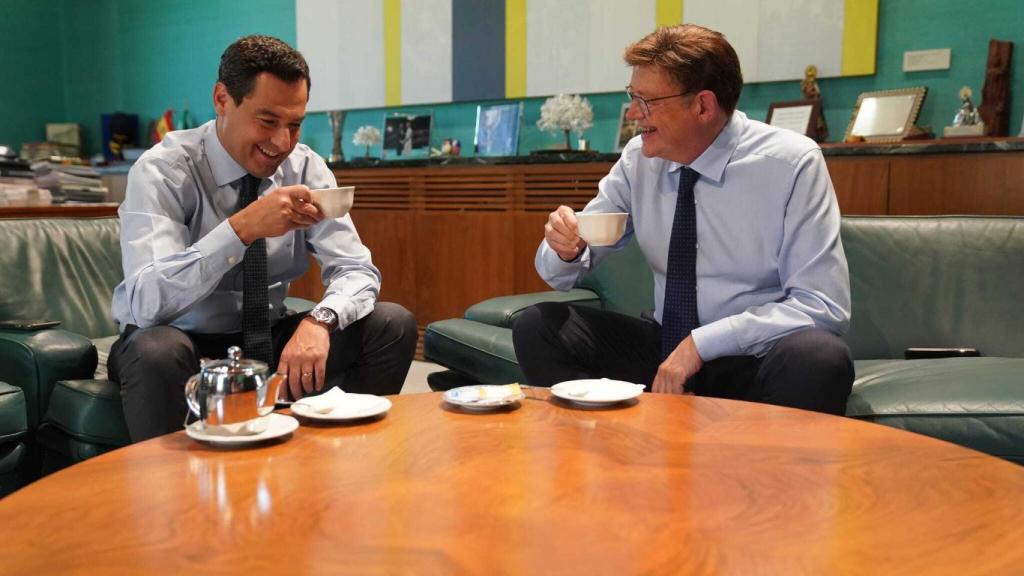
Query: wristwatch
{"points": [[325, 316]]}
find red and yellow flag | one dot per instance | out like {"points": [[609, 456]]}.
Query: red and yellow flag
{"points": [[163, 125]]}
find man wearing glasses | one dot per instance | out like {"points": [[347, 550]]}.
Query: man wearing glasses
{"points": [[739, 224]]}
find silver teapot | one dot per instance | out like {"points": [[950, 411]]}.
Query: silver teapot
{"points": [[233, 397]]}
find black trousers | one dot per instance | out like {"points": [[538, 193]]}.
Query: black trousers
{"points": [[370, 356], [811, 369]]}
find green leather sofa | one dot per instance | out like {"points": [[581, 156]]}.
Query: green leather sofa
{"points": [[917, 282], [66, 270]]}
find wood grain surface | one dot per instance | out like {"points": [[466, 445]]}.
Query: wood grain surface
{"points": [[665, 485]]}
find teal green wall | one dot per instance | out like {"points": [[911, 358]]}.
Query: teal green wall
{"points": [[31, 65], [143, 57]]}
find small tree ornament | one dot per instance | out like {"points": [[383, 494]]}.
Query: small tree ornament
{"points": [[568, 113], [366, 136]]}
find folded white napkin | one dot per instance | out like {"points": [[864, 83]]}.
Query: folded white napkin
{"points": [[337, 403], [324, 403]]}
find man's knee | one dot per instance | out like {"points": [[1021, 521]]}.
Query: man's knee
{"points": [[537, 318], [816, 349], [156, 349], [810, 369], [396, 321]]}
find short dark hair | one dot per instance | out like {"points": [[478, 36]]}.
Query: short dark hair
{"points": [[247, 57], [696, 57]]}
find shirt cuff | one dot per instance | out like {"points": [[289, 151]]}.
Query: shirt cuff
{"points": [[220, 249], [346, 308], [716, 340]]}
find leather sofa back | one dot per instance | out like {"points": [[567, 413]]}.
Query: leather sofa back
{"points": [[61, 269], [623, 281], [943, 281]]}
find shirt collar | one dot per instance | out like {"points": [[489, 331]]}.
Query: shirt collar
{"points": [[712, 162], [224, 168]]}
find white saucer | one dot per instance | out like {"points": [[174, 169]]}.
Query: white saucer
{"points": [[596, 392], [349, 407], [278, 425], [476, 397]]}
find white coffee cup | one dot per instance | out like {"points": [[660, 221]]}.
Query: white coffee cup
{"points": [[333, 202], [601, 228]]}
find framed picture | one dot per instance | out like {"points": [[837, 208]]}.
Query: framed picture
{"points": [[886, 116], [406, 136], [497, 129], [797, 115], [627, 129]]}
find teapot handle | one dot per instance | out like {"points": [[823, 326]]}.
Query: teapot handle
{"points": [[196, 405]]}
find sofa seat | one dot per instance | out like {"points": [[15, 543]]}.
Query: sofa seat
{"points": [[974, 402], [84, 419]]}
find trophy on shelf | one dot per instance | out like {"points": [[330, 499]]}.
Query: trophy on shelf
{"points": [[337, 119], [967, 121]]}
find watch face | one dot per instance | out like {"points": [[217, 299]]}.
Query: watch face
{"points": [[325, 315]]}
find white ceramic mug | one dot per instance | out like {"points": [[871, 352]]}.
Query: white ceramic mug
{"points": [[334, 202], [601, 228]]}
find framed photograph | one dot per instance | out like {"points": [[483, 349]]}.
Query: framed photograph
{"points": [[497, 129], [797, 115], [885, 116], [406, 136], [627, 129]]}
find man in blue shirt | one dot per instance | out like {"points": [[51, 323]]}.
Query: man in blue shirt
{"points": [[740, 226], [216, 222]]}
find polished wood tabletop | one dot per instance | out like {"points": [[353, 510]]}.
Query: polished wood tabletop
{"points": [[664, 484]]}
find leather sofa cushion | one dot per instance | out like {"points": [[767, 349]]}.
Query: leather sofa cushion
{"points": [[89, 411], [974, 402], [933, 282], [13, 419], [65, 269], [478, 350]]}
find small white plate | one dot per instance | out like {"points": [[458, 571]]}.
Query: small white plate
{"points": [[482, 397], [596, 392], [348, 407], [278, 425]]}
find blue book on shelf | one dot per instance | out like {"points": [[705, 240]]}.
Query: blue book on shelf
{"points": [[497, 129]]}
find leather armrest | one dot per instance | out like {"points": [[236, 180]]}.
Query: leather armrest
{"points": [[502, 311], [34, 361]]}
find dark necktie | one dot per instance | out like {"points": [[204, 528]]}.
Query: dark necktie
{"points": [[256, 343], [679, 313]]}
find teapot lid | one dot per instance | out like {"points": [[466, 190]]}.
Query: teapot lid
{"points": [[234, 364]]}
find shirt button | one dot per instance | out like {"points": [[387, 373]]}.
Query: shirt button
{"points": [[232, 259]]}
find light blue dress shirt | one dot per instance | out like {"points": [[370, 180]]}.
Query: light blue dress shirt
{"points": [[769, 258], [183, 261]]}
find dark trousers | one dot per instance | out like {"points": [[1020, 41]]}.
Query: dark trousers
{"points": [[810, 369], [370, 356]]}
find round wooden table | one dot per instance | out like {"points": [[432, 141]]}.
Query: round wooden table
{"points": [[666, 484]]}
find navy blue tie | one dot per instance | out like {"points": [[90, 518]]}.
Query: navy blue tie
{"points": [[679, 313], [256, 341]]}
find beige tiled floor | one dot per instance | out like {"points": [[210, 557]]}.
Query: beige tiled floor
{"points": [[416, 381]]}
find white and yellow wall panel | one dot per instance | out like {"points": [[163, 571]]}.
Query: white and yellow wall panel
{"points": [[371, 53]]}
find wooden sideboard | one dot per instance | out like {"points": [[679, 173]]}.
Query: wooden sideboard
{"points": [[969, 176]]}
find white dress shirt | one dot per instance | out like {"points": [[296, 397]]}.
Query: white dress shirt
{"points": [[769, 257], [183, 261]]}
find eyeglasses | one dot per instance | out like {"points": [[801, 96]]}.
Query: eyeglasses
{"points": [[645, 103]]}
